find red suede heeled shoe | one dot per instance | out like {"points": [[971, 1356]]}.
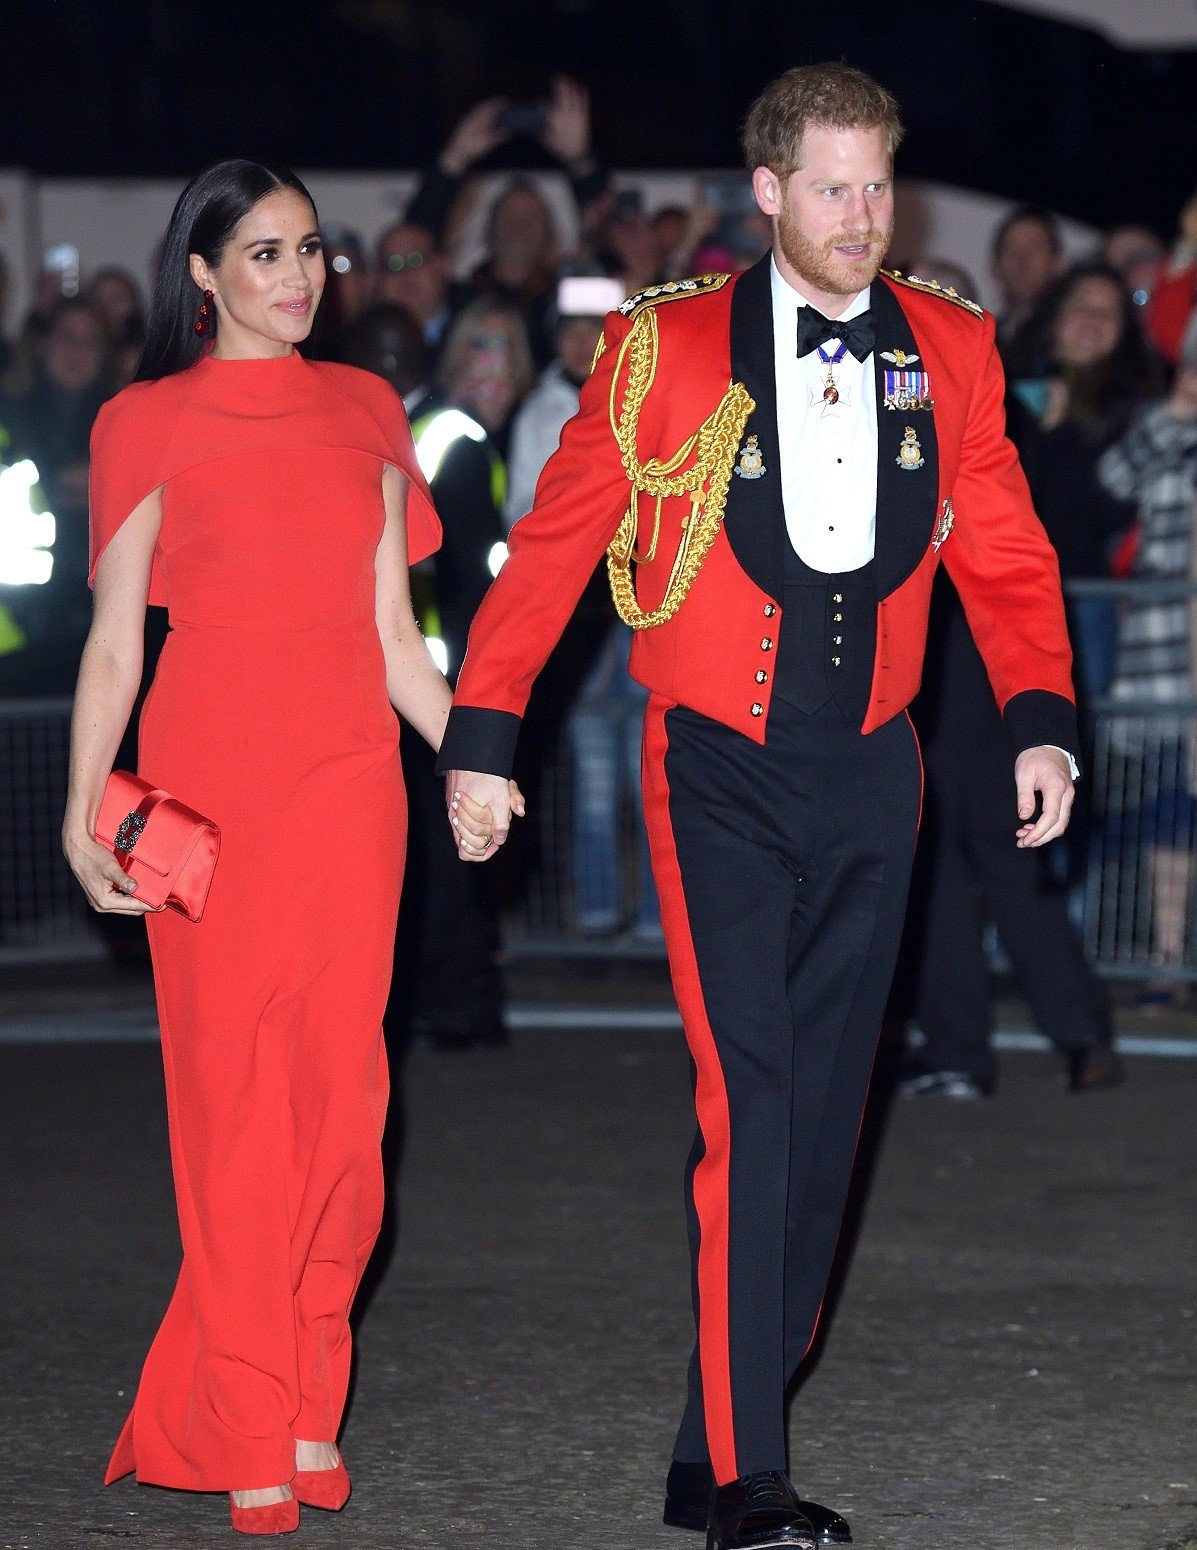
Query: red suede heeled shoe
{"points": [[325, 1488], [275, 1518]]}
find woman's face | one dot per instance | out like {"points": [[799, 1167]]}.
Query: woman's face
{"points": [[486, 386], [269, 279], [74, 352], [118, 299], [634, 243], [577, 340], [521, 232], [1089, 323]]}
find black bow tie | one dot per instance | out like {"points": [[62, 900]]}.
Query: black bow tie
{"points": [[859, 333]]}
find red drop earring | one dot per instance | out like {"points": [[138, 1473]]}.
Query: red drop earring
{"points": [[205, 324]]}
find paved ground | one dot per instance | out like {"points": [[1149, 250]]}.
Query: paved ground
{"points": [[1010, 1364]]}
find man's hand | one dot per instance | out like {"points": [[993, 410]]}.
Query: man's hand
{"points": [[480, 808], [475, 137], [1042, 770], [567, 128]]}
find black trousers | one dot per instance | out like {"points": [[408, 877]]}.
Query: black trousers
{"points": [[969, 864], [783, 873], [445, 973]]}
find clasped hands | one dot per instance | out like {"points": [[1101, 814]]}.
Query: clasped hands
{"points": [[481, 806], [480, 809]]}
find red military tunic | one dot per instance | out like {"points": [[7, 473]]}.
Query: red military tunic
{"points": [[709, 654]]}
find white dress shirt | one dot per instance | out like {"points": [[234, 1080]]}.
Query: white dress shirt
{"points": [[828, 458], [828, 454]]}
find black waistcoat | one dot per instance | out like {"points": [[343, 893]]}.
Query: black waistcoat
{"points": [[755, 522], [828, 638]]}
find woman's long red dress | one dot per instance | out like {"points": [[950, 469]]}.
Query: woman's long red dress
{"points": [[269, 714]]}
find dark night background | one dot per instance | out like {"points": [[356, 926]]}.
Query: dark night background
{"points": [[994, 100]]}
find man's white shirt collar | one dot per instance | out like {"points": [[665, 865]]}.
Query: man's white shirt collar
{"points": [[786, 302]]}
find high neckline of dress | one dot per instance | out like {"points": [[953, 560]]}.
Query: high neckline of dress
{"points": [[252, 363]]}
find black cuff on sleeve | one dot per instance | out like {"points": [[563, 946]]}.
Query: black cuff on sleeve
{"points": [[1037, 718], [479, 739]]}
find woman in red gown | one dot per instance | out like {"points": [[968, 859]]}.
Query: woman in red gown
{"points": [[274, 506]]}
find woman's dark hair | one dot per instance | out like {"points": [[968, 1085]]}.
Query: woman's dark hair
{"points": [[1032, 215], [81, 306], [203, 220], [387, 340], [134, 327], [1102, 396]]}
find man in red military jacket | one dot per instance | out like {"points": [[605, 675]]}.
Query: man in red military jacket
{"points": [[776, 464]]}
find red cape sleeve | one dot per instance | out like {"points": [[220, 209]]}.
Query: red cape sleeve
{"points": [[125, 467], [423, 524], [384, 406]]}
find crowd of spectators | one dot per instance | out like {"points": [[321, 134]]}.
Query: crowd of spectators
{"points": [[1101, 359]]}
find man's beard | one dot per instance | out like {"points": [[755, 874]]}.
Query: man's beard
{"points": [[818, 264]]}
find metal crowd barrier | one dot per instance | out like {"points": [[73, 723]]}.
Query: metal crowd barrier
{"points": [[44, 917], [1139, 917], [583, 887], [43, 914]]}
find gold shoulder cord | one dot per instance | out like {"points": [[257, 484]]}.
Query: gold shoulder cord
{"points": [[706, 481]]}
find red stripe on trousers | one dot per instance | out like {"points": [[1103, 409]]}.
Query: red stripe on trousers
{"points": [[710, 1183]]}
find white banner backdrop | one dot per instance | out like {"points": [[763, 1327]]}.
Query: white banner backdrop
{"points": [[18, 241], [1144, 24]]}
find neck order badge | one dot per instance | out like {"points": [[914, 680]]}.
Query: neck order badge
{"points": [[831, 392]]}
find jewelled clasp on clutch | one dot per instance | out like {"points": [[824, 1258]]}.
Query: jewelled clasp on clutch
{"points": [[129, 832]]}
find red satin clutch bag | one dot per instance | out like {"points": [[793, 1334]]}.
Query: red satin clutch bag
{"points": [[166, 847]]}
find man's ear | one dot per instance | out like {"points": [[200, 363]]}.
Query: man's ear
{"points": [[766, 188]]}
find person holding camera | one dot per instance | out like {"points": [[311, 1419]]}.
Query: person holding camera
{"points": [[521, 241]]}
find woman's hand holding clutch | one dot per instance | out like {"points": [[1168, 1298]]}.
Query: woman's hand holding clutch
{"points": [[108, 889]]}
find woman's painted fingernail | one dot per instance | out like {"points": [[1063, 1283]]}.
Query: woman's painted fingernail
{"points": [[130, 886], [453, 820]]}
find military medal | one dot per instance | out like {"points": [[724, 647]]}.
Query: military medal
{"points": [[947, 521], [907, 390], [910, 454], [831, 394], [751, 464]]}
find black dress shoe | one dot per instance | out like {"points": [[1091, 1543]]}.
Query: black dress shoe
{"points": [[758, 1512], [688, 1505]]}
